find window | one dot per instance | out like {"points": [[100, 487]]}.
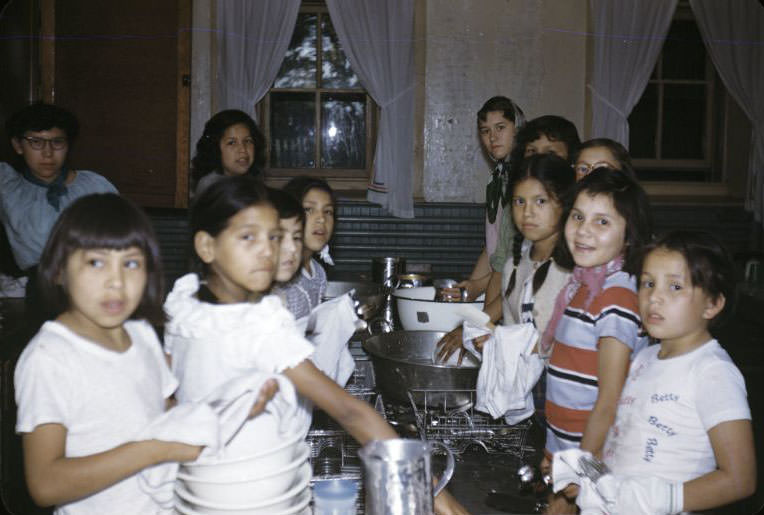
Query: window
{"points": [[672, 127], [318, 118]]}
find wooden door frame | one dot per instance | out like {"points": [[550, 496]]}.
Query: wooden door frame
{"points": [[183, 128]]}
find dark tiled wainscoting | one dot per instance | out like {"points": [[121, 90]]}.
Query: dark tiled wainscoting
{"points": [[446, 236]]}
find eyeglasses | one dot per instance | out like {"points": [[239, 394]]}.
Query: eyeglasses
{"points": [[584, 169], [39, 143]]}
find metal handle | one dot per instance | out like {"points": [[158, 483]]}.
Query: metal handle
{"points": [[450, 463]]}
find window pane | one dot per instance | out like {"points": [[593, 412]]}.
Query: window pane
{"points": [[299, 67], [684, 117], [643, 123], [293, 130], [684, 56], [343, 131], [335, 66]]}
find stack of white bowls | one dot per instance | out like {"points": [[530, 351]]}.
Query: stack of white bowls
{"points": [[255, 476]]}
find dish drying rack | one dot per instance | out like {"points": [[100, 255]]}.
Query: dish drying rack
{"points": [[334, 453], [459, 425]]}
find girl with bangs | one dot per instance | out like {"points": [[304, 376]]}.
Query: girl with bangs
{"points": [[95, 376]]}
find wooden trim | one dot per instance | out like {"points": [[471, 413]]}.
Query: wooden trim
{"points": [[317, 172], [182, 132], [349, 184], [686, 189], [47, 91]]}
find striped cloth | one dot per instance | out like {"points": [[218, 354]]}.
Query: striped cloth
{"points": [[571, 380]]}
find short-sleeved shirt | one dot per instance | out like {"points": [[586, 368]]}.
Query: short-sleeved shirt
{"points": [[667, 408], [572, 386], [27, 215], [103, 398], [213, 343], [305, 291]]}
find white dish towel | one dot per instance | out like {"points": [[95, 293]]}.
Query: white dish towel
{"points": [[509, 370], [329, 327], [211, 423]]}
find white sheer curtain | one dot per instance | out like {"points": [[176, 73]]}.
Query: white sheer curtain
{"points": [[734, 35], [253, 37], [628, 36], [377, 37]]}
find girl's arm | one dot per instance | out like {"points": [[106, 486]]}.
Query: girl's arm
{"points": [[54, 479], [356, 416], [612, 368], [735, 476], [479, 278], [493, 299]]}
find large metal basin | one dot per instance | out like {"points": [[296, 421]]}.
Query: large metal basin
{"points": [[403, 360]]}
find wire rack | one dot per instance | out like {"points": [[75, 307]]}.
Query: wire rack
{"points": [[443, 415], [334, 453]]}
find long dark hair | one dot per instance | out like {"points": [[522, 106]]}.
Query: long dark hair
{"points": [[101, 221], [207, 158], [557, 178], [215, 206], [631, 202]]}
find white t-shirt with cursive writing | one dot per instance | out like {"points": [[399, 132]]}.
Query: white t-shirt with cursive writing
{"points": [[666, 409]]}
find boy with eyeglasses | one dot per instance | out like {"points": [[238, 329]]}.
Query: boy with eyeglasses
{"points": [[39, 184]]}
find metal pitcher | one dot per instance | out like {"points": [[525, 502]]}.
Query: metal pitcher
{"points": [[398, 476]]}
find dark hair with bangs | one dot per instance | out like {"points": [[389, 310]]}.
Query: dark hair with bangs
{"points": [[618, 151], [508, 108], [300, 186], [555, 128], [710, 263], [629, 200], [286, 204], [101, 221], [215, 206]]}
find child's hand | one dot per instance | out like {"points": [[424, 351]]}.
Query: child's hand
{"points": [[559, 504], [446, 504], [480, 340], [449, 344], [269, 389], [473, 287], [180, 452]]}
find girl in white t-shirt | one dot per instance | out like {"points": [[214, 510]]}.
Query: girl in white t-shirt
{"points": [[223, 324], [682, 439], [94, 377]]}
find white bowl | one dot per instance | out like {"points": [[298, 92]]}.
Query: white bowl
{"points": [[290, 502], [239, 468], [257, 435], [262, 484], [419, 311]]}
